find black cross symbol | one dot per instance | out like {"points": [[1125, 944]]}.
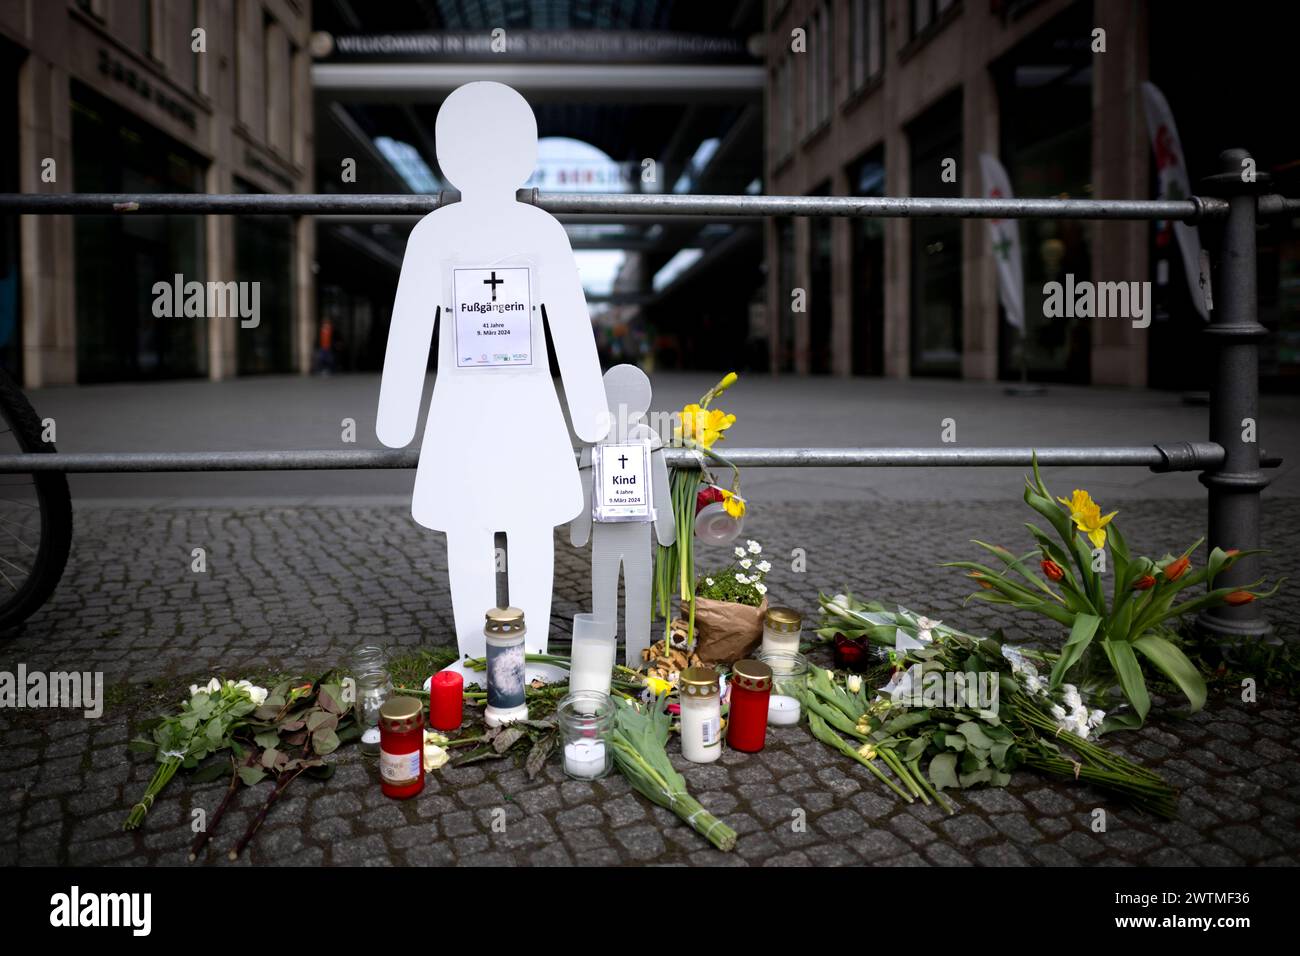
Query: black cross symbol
{"points": [[622, 460], [494, 282]]}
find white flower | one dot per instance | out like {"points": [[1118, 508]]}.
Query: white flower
{"points": [[1058, 712], [760, 587], [754, 547], [924, 635], [765, 566], [854, 683], [925, 624], [196, 689], [740, 552], [178, 754], [214, 686], [841, 600], [746, 563], [741, 579], [434, 757], [708, 582], [1096, 717]]}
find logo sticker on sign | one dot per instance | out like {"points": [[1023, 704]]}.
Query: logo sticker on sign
{"points": [[622, 477], [494, 316]]}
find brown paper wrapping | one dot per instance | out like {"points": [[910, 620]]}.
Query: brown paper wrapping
{"points": [[727, 632]]}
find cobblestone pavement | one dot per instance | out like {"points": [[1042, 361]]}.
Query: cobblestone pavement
{"points": [[293, 588]]}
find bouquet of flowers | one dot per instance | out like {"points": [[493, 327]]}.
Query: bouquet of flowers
{"points": [[961, 711], [1109, 637], [639, 739], [699, 430]]}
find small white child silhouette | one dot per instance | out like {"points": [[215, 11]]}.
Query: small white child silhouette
{"points": [[626, 543], [496, 454]]}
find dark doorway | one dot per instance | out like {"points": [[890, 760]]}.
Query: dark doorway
{"points": [[936, 313]]}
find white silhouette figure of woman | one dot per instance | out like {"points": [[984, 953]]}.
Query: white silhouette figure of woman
{"points": [[496, 455]]}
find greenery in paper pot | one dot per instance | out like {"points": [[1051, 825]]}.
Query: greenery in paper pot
{"points": [[1109, 635], [741, 582]]}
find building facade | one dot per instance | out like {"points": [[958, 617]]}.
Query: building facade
{"points": [[901, 98], [152, 96]]}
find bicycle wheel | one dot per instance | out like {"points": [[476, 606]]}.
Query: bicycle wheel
{"points": [[35, 515]]}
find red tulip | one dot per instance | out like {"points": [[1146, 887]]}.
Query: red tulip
{"points": [[1175, 569], [707, 496], [1238, 598], [1144, 583], [1053, 570]]}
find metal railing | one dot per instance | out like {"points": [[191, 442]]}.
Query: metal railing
{"points": [[1230, 467]]}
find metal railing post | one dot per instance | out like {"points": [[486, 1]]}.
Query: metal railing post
{"points": [[1235, 334]]}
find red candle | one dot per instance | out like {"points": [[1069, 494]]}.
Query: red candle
{"points": [[401, 747], [751, 687], [446, 700]]}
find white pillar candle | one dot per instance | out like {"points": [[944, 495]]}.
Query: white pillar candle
{"points": [[782, 711], [591, 663], [782, 629], [584, 758]]}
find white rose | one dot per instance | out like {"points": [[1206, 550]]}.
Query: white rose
{"points": [[434, 757], [196, 689], [257, 695]]}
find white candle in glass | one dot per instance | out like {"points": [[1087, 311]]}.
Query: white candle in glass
{"points": [[584, 758], [782, 629], [782, 711], [592, 658]]}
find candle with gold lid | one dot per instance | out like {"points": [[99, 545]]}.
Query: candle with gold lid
{"points": [[504, 634], [782, 628], [701, 714]]}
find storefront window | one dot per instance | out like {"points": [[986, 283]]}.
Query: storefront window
{"points": [[264, 254], [867, 178], [120, 259], [936, 313]]}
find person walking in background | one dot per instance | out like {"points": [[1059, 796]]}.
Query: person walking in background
{"points": [[325, 349]]}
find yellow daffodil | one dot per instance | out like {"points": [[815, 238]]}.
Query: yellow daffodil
{"points": [[658, 685], [733, 503], [702, 427], [1087, 517]]}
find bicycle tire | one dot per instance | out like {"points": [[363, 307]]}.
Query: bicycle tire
{"points": [[55, 506]]}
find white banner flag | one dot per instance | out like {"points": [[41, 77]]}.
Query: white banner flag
{"points": [[1005, 234], [1171, 174]]}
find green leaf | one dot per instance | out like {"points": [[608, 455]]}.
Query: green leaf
{"points": [[267, 739], [943, 771], [1081, 634], [251, 775], [1129, 672], [1173, 663], [209, 772], [974, 735], [325, 741]]}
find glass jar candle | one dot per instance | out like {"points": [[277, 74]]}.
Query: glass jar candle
{"points": [[751, 686], [372, 686], [504, 633], [591, 660], [586, 719], [782, 628], [701, 714], [401, 747], [789, 677]]}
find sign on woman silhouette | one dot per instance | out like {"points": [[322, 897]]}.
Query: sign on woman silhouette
{"points": [[496, 454]]}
